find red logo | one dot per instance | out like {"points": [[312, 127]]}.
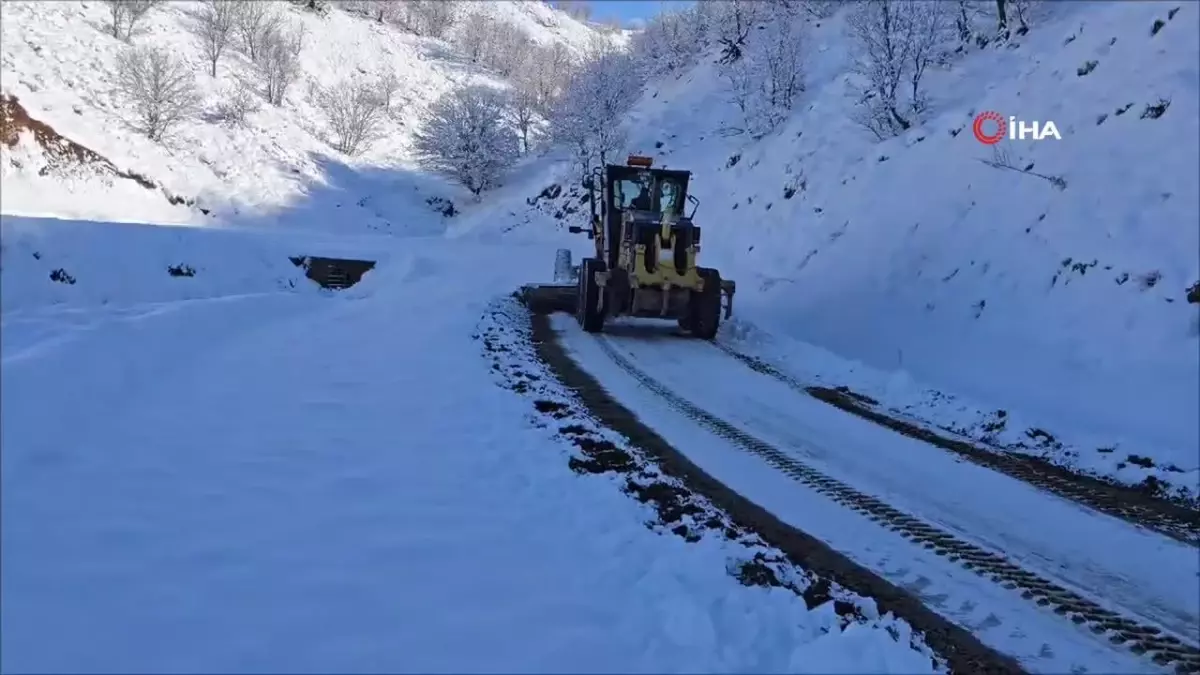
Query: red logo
{"points": [[992, 138]]}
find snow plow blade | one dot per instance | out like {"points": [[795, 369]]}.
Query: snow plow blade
{"points": [[547, 298]]}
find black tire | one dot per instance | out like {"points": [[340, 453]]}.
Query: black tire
{"points": [[704, 307], [586, 312]]}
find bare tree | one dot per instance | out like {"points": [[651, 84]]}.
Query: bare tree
{"points": [[387, 83], [965, 14], [474, 36], [896, 42], [769, 77], [586, 117], [125, 15], [927, 28], [523, 111], [465, 137], [1023, 9], [432, 18], [279, 60], [161, 87], [403, 14], [732, 23], [511, 50], [214, 29], [548, 70], [255, 20], [354, 113], [670, 41]]}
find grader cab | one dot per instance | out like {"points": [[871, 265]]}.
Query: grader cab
{"points": [[645, 252]]}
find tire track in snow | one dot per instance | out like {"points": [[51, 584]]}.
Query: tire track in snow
{"points": [[1128, 504], [1138, 638]]}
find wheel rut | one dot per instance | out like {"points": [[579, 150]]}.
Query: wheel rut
{"points": [[1126, 503]]}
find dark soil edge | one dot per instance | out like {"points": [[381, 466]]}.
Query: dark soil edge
{"points": [[853, 403], [963, 652]]}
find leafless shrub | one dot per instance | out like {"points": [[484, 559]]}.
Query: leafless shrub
{"points": [[237, 103], [1001, 159], [125, 15], [354, 113], [162, 88], [214, 29]]}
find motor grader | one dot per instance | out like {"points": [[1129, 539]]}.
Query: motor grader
{"points": [[645, 259]]}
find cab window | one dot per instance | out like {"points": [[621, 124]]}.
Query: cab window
{"points": [[624, 194], [669, 194]]}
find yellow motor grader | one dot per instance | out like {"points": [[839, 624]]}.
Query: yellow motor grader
{"points": [[645, 260]]}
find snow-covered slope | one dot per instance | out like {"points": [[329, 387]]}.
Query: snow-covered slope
{"points": [[918, 261], [60, 63]]}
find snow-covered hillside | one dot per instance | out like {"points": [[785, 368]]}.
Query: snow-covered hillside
{"points": [[60, 61], [923, 267]]}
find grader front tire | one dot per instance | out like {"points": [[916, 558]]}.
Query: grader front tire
{"points": [[590, 317], [704, 308]]}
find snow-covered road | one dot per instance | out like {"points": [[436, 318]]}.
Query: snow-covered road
{"points": [[304, 482], [1119, 566]]}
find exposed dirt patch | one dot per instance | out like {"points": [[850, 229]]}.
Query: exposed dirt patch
{"points": [[861, 398], [64, 155], [689, 503]]}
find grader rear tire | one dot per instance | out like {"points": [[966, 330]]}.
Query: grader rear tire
{"points": [[587, 312], [704, 307]]}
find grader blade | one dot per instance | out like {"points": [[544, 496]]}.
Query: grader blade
{"points": [[547, 298]]}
